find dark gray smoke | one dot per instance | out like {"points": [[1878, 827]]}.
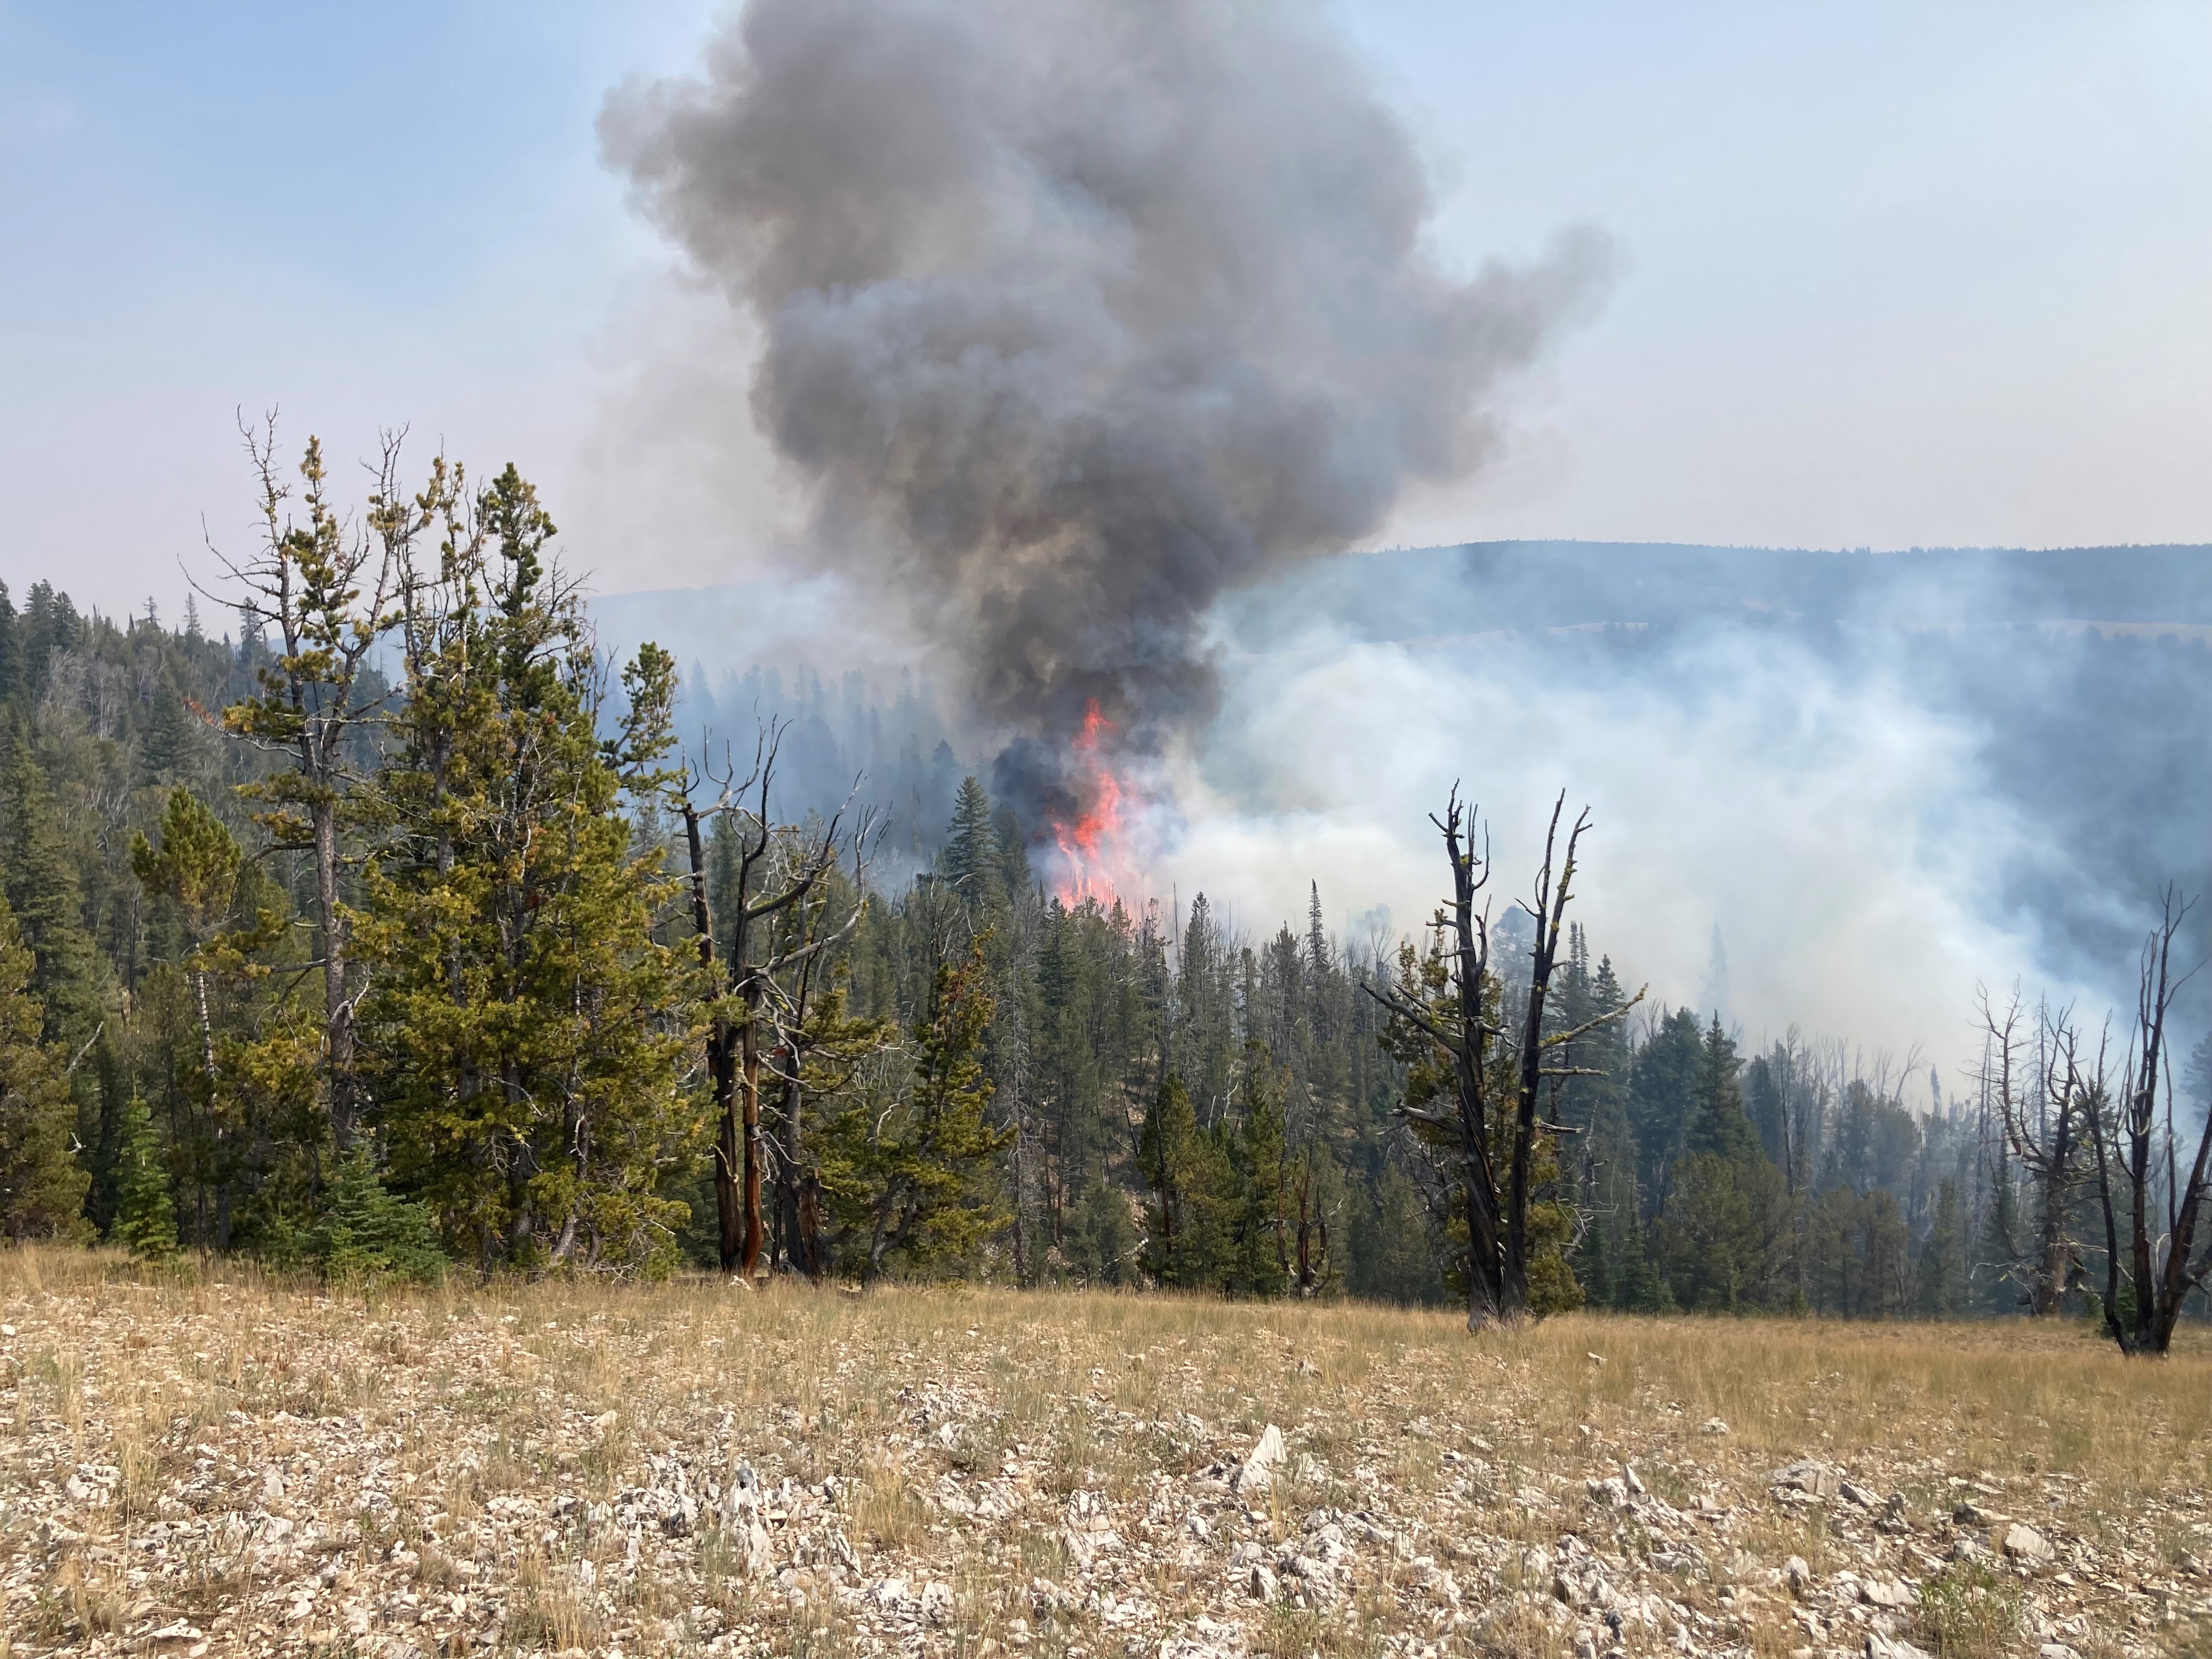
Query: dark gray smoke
{"points": [[1078, 313]]}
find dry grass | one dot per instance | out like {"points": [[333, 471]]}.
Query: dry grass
{"points": [[438, 1456]]}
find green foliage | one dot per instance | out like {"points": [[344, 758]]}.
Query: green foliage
{"points": [[1717, 1242], [972, 861], [1194, 1192], [365, 1234], [145, 1215], [1102, 1242], [42, 1190], [1393, 1252], [1970, 1611], [42, 891], [917, 1185], [525, 1026], [196, 867]]}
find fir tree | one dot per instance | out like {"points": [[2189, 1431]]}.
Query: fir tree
{"points": [[1016, 879], [1719, 1127], [42, 1190], [1194, 1191], [145, 1213], [43, 893], [1942, 1257], [972, 860], [1102, 1237], [367, 1233], [918, 1183]]}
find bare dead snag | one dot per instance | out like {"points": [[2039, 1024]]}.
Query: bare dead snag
{"points": [[1456, 1027]]}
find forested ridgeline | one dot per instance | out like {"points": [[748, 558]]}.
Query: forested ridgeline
{"points": [[473, 966]]}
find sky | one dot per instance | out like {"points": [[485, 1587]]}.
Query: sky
{"points": [[1895, 275]]}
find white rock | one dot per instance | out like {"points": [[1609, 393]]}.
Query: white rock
{"points": [[2026, 1544], [1257, 1472], [1808, 1475], [1261, 1585]]}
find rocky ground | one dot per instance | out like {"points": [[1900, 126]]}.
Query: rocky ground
{"points": [[209, 1463]]}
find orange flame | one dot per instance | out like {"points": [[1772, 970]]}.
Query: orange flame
{"points": [[1086, 844]]}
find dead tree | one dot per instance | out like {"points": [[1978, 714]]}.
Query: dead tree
{"points": [[2163, 1265], [2045, 1119], [810, 1027], [738, 984], [1493, 1095], [329, 591]]}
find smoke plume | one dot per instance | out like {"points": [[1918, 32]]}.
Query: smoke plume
{"points": [[1077, 314]]}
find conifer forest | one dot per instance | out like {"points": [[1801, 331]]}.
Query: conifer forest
{"points": [[377, 923]]}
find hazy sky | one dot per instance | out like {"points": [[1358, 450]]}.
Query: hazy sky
{"points": [[1898, 274]]}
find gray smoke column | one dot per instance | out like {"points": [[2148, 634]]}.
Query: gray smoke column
{"points": [[1078, 313]]}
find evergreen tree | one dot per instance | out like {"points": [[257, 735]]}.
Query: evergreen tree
{"points": [[42, 1190], [1719, 1127], [43, 892], [917, 1183], [1259, 1264], [1662, 1095], [146, 1213], [1637, 1285], [11, 663], [1016, 879], [524, 1022], [1942, 1257], [1101, 1242], [972, 860], [367, 1233], [1194, 1191], [1393, 1246]]}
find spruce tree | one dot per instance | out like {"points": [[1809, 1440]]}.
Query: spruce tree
{"points": [[1016, 878], [917, 1185], [145, 1213], [1194, 1190], [1662, 1094], [43, 892], [366, 1233], [1719, 1127], [971, 860], [42, 1190]]}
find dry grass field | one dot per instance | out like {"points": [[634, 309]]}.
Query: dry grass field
{"points": [[203, 1461]]}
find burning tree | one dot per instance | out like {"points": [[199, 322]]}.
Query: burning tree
{"points": [[1449, 1014]]}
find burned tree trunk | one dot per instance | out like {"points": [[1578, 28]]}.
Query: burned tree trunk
{"points": [[1451, 1022], [2162, 1265]]}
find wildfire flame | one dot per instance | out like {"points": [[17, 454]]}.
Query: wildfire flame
{"points": [[1087, 844]]}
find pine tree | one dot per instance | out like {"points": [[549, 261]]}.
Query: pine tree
{"points": [[1259, 1158], [41, 1188], [1637, 1287], [145, 1214], [526, 1023], [11, 648], [196, 869], [1662, 1094], [1942, 1256]]}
